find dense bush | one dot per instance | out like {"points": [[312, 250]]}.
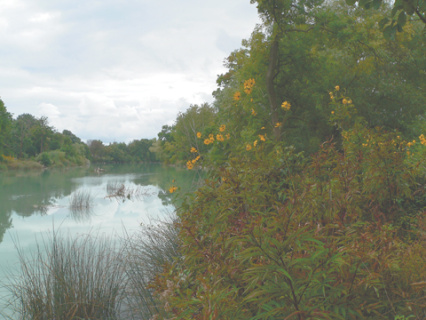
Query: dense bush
{"points": [[335, 235]]}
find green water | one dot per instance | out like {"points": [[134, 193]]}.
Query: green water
{"points": [[35, 203]]}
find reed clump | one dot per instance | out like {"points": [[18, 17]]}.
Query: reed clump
{"points": [[65, 278], [81, 200], [121, 191], [92, 277]]}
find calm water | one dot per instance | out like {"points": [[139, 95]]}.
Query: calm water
{"points": [[34, 203]]}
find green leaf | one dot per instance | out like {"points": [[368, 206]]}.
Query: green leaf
{"points": [[383, 22], [402, 18], [284, 272], [377, 4], [350, 2], [389, 32]]}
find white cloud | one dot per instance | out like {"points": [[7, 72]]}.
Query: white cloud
{"points": [[115, 70]]}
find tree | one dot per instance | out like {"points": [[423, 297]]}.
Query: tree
{"points": [[97, 150], [5, 128], [72, 136], [401, 11]]}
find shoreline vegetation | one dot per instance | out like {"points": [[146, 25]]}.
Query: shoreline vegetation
{"points": [[315, 201], [90, 276]]}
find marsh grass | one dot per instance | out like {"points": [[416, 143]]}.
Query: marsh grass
{"points": [[67, 278], [120, 191], [81, 204], [146, 253], [91, 277]]}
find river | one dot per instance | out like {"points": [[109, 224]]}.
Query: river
{"points": [[107, 200]]}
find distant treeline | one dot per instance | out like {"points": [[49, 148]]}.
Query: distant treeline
{"points": [[30, 142]]}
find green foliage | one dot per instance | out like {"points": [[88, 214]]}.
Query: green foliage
{"points": [[5, 129], [274, 234], [45, 160], [402, 11], [175, 142]]}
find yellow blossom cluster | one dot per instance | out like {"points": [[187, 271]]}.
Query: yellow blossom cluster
{"points": [[222, 128], [189, 165], [172, 189], [220, 137], [286, 105], [253, 112], [209, 140], [193, 150], [248, 85], [248, 147], [262, 137], [422, 139], [196, 159], [278, 124], [411, 143]]}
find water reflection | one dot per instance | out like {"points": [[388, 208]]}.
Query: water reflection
{"points": [[115, 191]]}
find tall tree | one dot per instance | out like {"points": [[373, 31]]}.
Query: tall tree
{"points": [[5, 128]]}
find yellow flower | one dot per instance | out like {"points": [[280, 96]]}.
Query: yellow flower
{"points": [[350, 101], [249, 83], [237, 96], [227, 136], [344, 101], [337, 88], [422, 139], [253, 112], [263, 128], [198, 134], [207, 141], [255, 143], [219, 137], [286, 105], [248, 147], [262, 137], [332, 112], [278, 124], [222, 128], [189, 165], [172, 189], [193, 150], [331, 97]]}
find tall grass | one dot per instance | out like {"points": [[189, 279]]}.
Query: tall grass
{"points": [[67, 278], [92, 277], [81, 204], [146, 253]]}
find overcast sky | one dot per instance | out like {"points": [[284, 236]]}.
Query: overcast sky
{"points": [[115, 70]]}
